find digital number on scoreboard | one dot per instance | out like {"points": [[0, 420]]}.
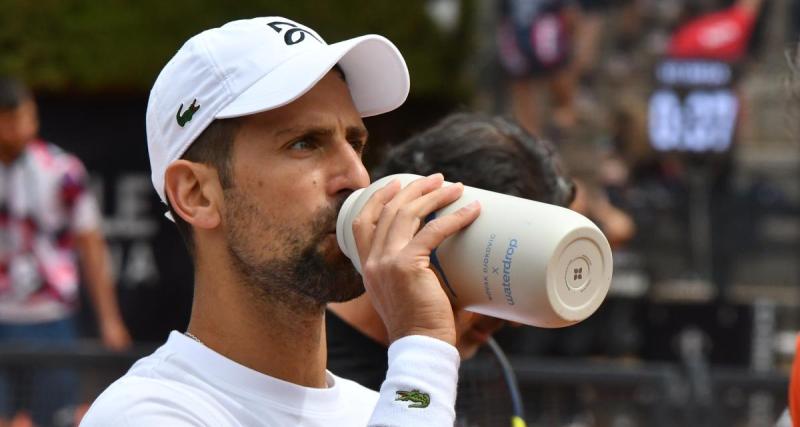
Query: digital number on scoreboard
{"points": [[694, 108]]}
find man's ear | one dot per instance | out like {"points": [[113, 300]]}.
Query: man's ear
{"points": [[195, 193]]}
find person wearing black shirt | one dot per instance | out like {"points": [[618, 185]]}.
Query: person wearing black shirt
{"points": [[492, 153]]}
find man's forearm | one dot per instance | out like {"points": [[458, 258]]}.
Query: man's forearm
{"points": [[96, 269]]}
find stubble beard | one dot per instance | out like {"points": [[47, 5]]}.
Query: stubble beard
{"points": [[284, 263]]}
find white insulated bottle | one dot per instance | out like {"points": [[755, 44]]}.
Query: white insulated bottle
{"points": [[520, 260]]}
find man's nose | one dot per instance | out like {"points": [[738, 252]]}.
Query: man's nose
{"points": [[349, 173]]}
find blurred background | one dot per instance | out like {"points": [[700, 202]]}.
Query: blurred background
{"points": [[687, 157]]}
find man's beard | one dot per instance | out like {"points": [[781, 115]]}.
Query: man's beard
{"points": [[301, 277]]}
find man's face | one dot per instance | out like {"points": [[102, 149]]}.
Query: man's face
{"points": [[292, 169], [18, 126]]}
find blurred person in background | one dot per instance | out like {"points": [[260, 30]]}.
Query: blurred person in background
{"points": [[612, 28], [534, 40], [491, 153], [588, 36], [593, 202], [50, 237]]}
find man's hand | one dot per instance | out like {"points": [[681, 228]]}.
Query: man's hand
{"points": [[115, 335], [395, 255]]}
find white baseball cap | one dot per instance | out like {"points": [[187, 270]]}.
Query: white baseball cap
{"points": [[253, 65]]}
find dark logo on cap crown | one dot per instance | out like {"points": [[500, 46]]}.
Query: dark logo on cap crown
{"points": [[186, 116], [293, 34]]}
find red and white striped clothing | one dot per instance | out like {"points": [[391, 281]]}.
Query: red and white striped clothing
{"points": [[44, 202]]}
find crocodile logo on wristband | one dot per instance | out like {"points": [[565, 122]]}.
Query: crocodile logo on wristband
{"points": [[417, 398]]}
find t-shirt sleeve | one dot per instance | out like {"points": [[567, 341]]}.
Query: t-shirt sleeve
{"points": [[420, 386], [77, 199]]}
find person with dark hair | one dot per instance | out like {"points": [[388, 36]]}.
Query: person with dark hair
{"points": [[491, 153], [50, 230], [255, 140]]}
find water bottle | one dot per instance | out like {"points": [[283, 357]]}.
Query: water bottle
{"points": [[520, 260]]}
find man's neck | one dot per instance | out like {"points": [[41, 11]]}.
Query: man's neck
{"points": [[9, 157], [267, 336]]}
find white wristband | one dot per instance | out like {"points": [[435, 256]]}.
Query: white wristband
{"points": [[421, 384]]}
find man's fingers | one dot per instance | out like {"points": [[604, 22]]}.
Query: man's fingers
{"points": [[372, 209], [411, 192], [364, 224], [407, 221], [434, 232]]}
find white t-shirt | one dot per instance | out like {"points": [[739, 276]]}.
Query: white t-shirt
{"points": [[185, 383], [45, 202]]}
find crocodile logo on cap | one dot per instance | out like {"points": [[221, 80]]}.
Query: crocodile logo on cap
{"points": [[187, 115]]}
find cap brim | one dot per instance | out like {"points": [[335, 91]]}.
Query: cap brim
{"points": [[374, 69]]}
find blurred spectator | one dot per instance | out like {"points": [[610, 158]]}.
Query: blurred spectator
{"points": [[491, 153], [588, 34], [606, 198], [49, 221], [592, 26], [535, 41], [594, 203]]}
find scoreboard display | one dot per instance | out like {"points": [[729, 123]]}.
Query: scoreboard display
{"points": [[694, 108]]}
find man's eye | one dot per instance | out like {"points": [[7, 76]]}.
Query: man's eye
{"points": [[358, 145], [302, 145]]}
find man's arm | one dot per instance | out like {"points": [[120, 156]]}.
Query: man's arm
{"points": [[361, 315], [95, 266], [420, 386], [85, 223]]}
